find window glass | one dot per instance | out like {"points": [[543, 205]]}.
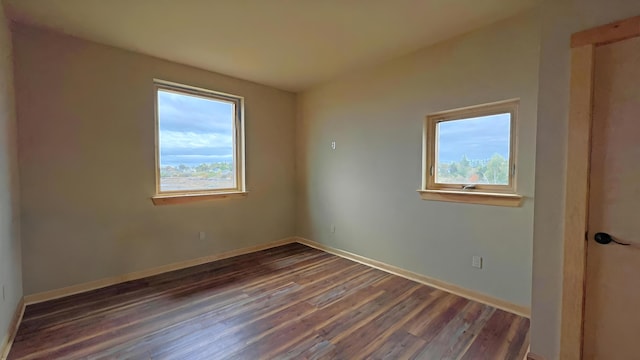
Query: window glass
{"points": [[473, 150], [196, 142]]}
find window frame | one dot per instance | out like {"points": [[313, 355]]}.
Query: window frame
{"points": [[430, 145], [182, 196]]}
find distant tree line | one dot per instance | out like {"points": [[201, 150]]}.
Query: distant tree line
{"points": [[488, 171], [219, 170]]}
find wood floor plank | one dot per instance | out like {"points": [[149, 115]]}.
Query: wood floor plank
{"points": [[221, 283], [400, 345], [455, 335], [431, 322], [518, 338], [359, 342], [288, 302], [348, 287], [291, 299], [312, 347], [153, 288], [213, 324], [128, 289], [344, 327], [493, 340]]}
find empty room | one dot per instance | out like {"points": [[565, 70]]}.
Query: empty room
{"points": [[294, 179]]}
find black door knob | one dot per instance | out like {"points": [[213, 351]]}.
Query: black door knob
{"points": [[602, 238]]}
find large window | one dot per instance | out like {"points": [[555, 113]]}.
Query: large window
{"points": [[200, 145], [471, 150]]}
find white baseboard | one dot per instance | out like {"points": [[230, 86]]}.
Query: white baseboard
{"points": [[97, 284], [5, 345], [423, 279]]}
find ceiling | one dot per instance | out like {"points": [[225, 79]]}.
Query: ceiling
{"points": [[288, 44]]}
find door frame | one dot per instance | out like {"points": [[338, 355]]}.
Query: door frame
{"points": [[578, 159]]}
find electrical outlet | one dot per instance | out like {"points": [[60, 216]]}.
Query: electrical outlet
{"points": [[476, 262], [333, 228], [202, 235], [333, 145]]}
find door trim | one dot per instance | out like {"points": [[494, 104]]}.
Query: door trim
{"points": [[578, 159]]}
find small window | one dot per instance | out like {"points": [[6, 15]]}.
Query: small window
{"points": [[471, 150], [200, 141]]}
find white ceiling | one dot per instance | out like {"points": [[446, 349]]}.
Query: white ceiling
{"points": [[288, 44]]}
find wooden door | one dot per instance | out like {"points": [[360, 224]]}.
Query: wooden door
{"points": [[612, 294]]}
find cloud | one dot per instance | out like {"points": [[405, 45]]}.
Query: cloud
{"points": [[187, 113], [194, 130], [478, 139]]}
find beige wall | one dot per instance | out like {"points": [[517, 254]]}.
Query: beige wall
{"points": [[560, 19], [86, 145], [367, 186], [10, 257]]}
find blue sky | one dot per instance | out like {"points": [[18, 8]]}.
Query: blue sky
{"points": [[194, 130], [478, 138]]}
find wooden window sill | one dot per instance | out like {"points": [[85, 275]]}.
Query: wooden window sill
{"points": [[172, 199], [472, 197]]}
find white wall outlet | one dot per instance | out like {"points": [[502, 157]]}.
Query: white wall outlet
{"points": [[476, 262], [333, 145], [202, 235], [333, 228]]}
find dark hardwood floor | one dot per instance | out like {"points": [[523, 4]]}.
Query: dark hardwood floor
{"points": [[289, 302]]}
